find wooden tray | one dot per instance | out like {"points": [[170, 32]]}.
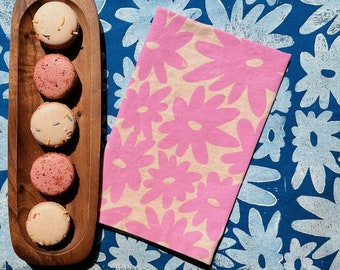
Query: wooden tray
{"points": [[82, 200]]}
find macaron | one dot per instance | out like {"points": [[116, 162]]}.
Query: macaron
{"points": [[56, 25], [53, 124], [55, 76], [52, 173], [48, 223]]}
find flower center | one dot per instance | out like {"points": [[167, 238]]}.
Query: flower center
{"points": [[271, 135], [169, 180], [194, 125], [313, 138], [213, 202], [255, 62], [119, 163], [152, 45], [132, 260], [142, 109], [328, 73]]}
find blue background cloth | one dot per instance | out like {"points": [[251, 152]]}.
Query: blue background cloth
{"points": [[287, 215]]}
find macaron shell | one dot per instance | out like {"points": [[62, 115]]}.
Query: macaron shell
{"points": [[55, 76], [53, 124], [52, 173], [56, 25], [48, 223]]}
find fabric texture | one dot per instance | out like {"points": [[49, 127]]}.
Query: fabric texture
{"points": [[186, 132]]}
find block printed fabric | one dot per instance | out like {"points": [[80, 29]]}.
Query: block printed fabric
{"points": [[185, 134]]}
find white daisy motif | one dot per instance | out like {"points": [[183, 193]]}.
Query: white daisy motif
{"points": [[133, 254], [106, 26], [220, 259], [3, 143], [270, 2], [282, 101], [328, 12], [323, 73], [142, 16], [110, 122], [315, 136], [4, 75], [251, 191], [272, 138], [122, 81], [6, 16], [177, 263], [326, 224], [101, 257], [261, 245], [7, 255], [298, 255], [254, 25]]}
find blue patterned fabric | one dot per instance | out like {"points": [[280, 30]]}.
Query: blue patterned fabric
{"points": [[287, 215]]}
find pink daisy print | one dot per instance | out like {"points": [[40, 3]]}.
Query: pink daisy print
{"points": [[144, 108], [233, 63], [247, 135], [169, 181], [215, 198], [123, 161], [161, 46], [169, 233], [196, 124], [114, 215]]}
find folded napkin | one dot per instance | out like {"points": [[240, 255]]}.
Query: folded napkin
{"points": [[185, 134]]}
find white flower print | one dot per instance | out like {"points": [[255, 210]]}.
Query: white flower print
{"points": [[6, 16], [282, 101], [328, 11], [133, 254], [122, 81], [4, 75], [298, 253], [111, 120], [270, 2], [323, 73], [101, 257], [272, 138], [220, 259], [3, 143], [141, 18], [106, 26], [315, 142], [176, 263], [251, 193], [326, 225], [7, 254], [253, 25], [261, 246]]}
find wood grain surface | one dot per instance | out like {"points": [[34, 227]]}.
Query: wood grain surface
{"points": [[84, 148]]}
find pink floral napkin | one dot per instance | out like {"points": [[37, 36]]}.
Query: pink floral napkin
{"points": [[185, 134]]}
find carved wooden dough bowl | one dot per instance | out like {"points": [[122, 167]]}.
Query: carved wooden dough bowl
{"points": [[84, 149]]}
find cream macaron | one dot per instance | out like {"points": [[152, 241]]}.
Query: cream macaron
{"points": [[56, 25]]}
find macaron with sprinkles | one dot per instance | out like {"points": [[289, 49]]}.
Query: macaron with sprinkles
{"points": [[56, 25], [48, 223], [53, 124]]}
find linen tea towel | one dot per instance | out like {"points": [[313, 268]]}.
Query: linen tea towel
{"points": [[185, 134]]}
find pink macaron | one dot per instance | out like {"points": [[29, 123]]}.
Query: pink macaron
{"points": [[55, 76], [52, 173]]}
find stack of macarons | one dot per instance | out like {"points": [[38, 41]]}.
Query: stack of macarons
{"points": [[53, 123]]}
